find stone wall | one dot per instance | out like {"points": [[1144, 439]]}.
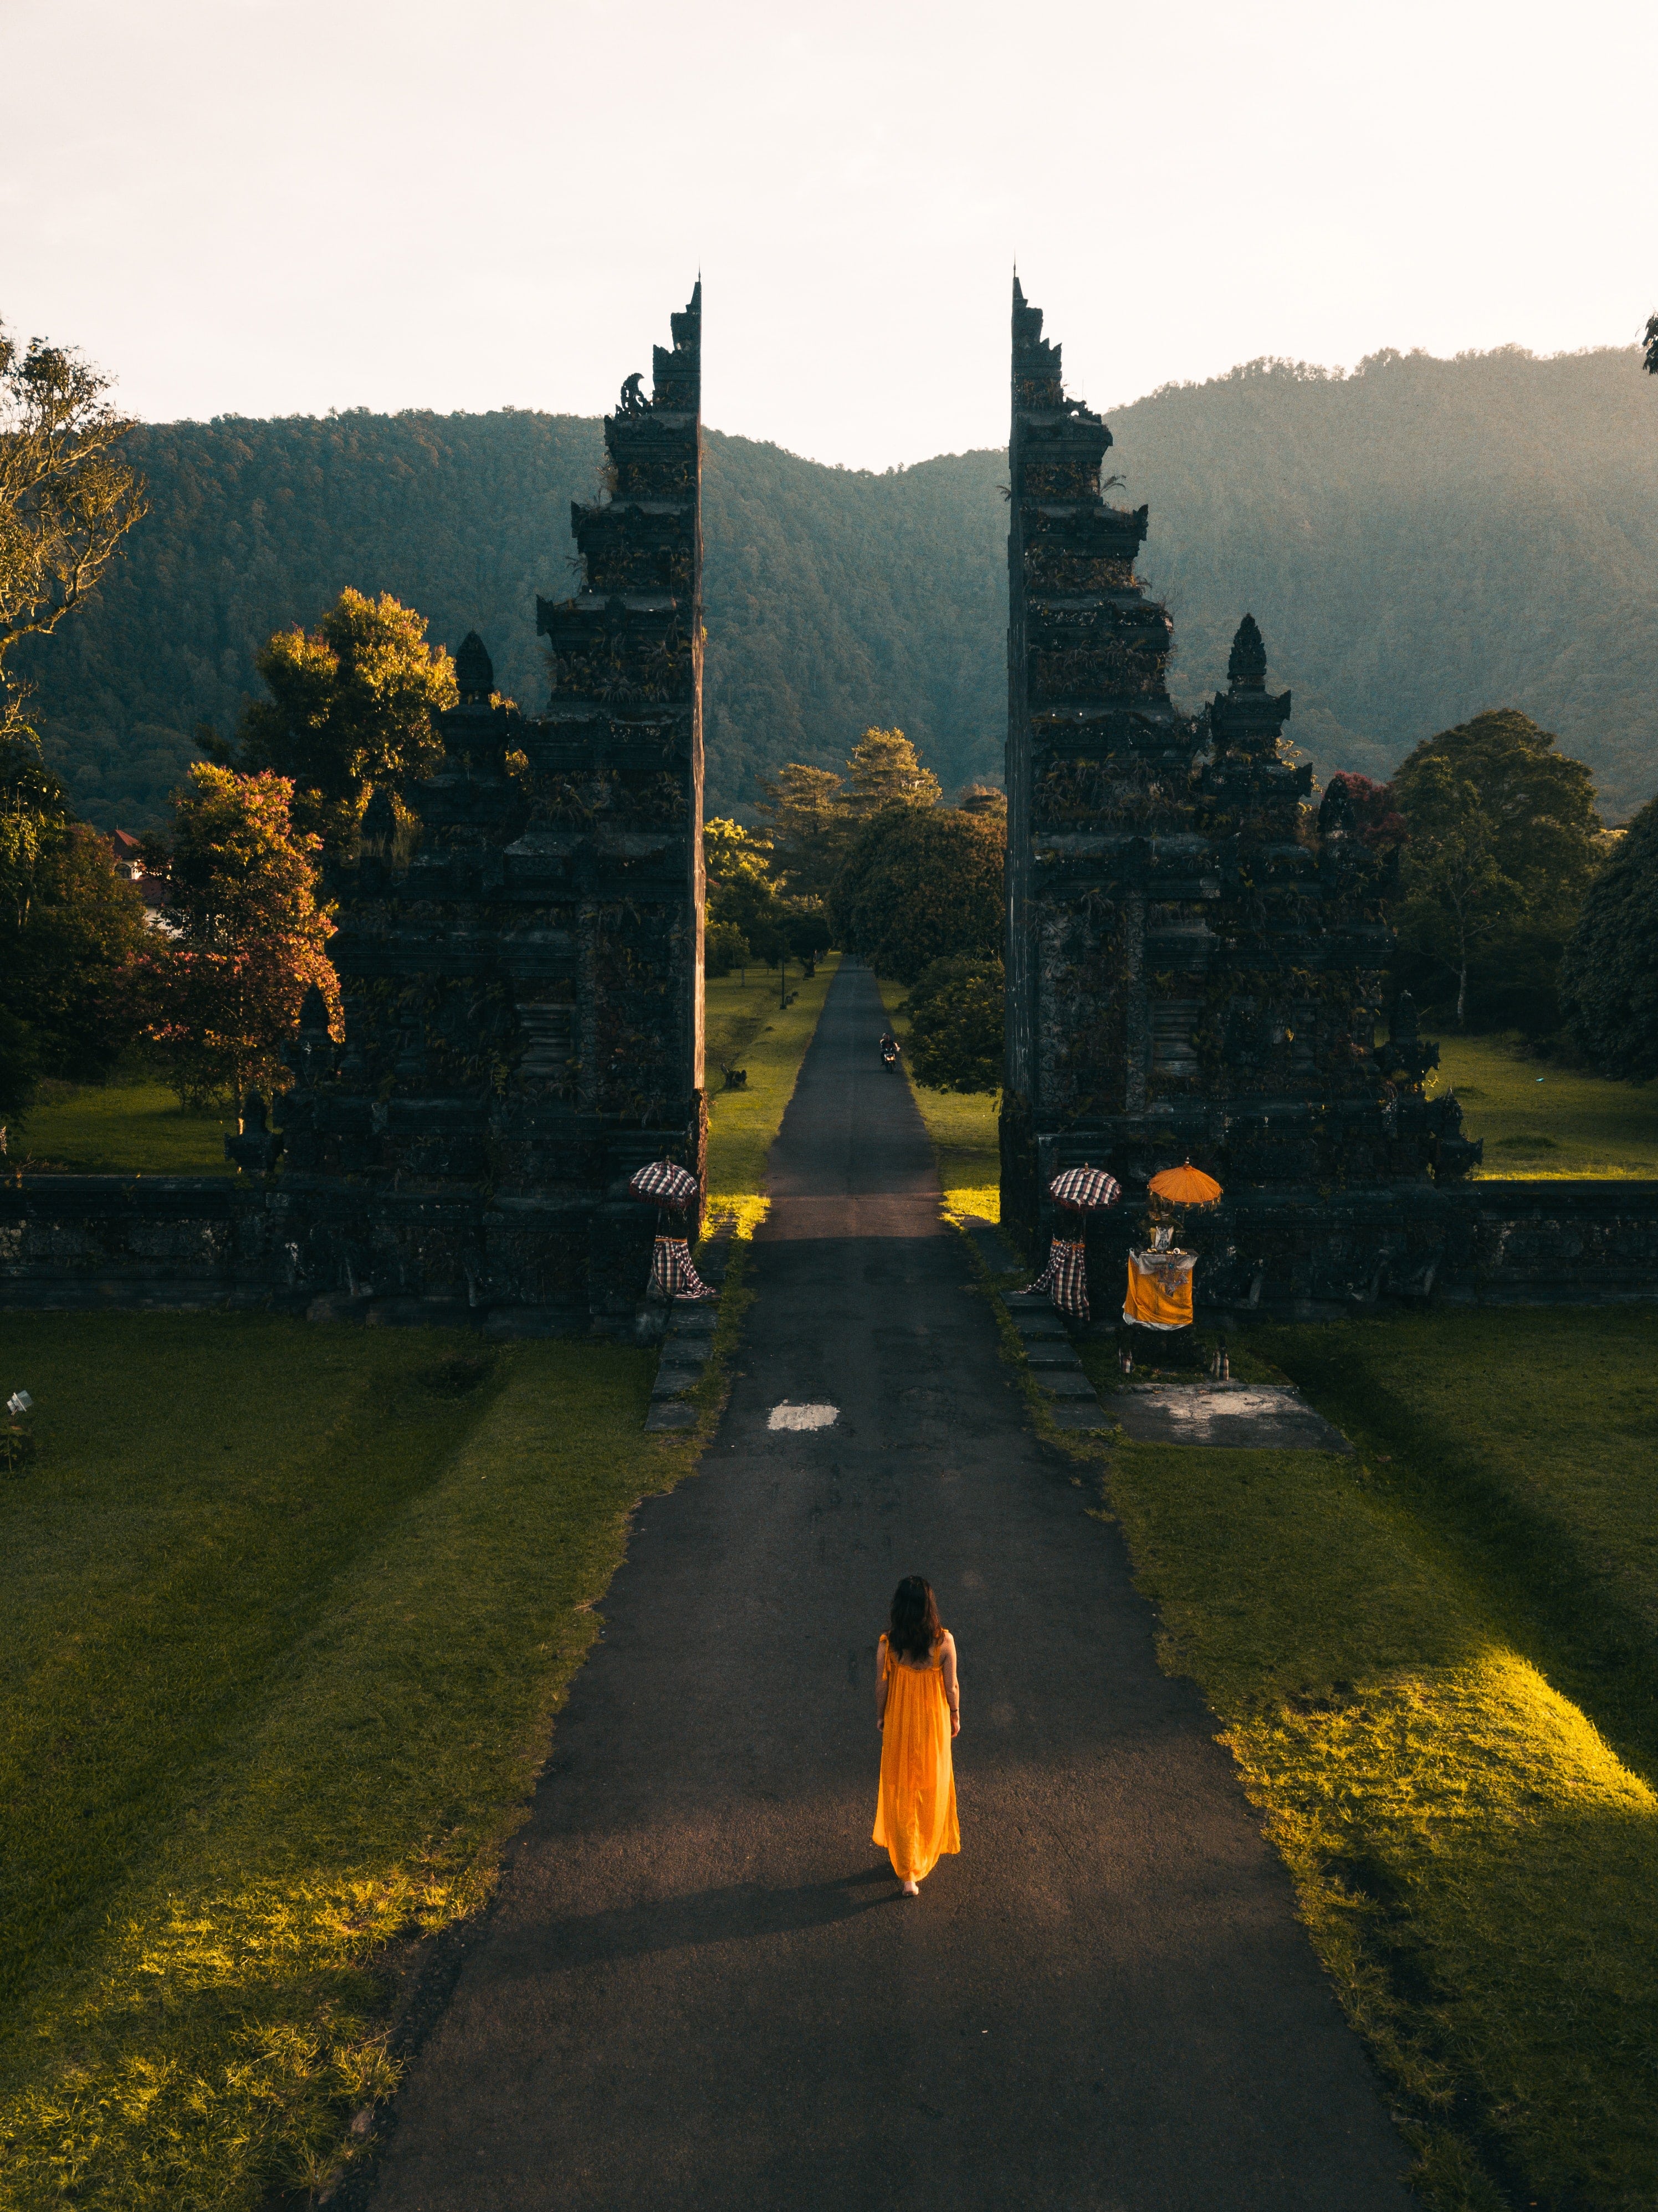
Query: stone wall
{"points": [[78, 1244], [1589, 1242], [86, 1244]]}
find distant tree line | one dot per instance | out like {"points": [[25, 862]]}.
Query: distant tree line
{"points": [[870, 859]]}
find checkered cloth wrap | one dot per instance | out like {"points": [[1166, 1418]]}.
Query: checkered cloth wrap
{"points": [[1065, 1279], [672, 1275]]}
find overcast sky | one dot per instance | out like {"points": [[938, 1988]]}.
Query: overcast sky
{"points": [[276, 206]]}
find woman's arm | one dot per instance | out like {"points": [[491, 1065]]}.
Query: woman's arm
{"points": [[881, 1684], [952, 1685]]}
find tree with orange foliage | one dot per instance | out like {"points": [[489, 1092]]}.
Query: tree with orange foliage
{"points": [[224, 995]]}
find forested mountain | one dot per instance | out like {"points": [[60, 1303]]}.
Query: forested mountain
{"points": [[1419, 540]]}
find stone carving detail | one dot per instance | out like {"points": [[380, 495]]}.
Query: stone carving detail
{"points": [[1195, 961]]}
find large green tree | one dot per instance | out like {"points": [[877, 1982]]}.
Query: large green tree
{"points": [[919, 883], [350, 712], [1502, 842], [69, 494], [884, 770], [70, 929], [69, 969], [745, 900], [804, 809], [33, 811], [1609, 975], [813, 814]]}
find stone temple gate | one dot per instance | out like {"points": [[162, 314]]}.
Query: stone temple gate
{"points": [[523, 1000], [1195, 963], [522, 988], [1194, 970]]}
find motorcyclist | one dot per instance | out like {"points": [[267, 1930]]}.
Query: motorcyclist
{"points": [[890, 1048]]}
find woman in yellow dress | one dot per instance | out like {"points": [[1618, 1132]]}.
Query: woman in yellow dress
{"points": [[917, 1709]]}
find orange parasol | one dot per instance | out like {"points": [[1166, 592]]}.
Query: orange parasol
{"points": [[1185, 1186]]}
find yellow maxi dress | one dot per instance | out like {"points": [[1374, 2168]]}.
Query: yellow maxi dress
{"points": [[915, 1809]]}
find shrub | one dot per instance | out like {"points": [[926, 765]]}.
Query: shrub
{"points": [[725, 947], [956, 1025]]}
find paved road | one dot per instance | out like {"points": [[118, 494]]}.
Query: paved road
{"points": [[700, 1989]]}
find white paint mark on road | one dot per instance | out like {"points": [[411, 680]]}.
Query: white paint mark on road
{"points": [[786, 1416]]}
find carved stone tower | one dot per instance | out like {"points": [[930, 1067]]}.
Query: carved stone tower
{"points": [[523, 995], [1194, 966], [1104, 867]]}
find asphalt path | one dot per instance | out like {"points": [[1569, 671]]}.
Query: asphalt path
{"points": [[699, 1986]]}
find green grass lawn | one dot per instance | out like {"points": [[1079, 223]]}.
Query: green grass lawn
{"points": [[962, 1127], [1540, 1120], [747, 1029], [1435, 1665], [288, 1613], [119, 1129]]}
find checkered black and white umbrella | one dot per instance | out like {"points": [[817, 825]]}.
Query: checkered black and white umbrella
{"points": [[664, 1183], [1083, 1188]]}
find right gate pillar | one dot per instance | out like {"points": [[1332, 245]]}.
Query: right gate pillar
{"points": [[1194, 954]]}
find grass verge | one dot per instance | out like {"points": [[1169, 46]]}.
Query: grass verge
{"points": [[1540, 1120], [119, 1129], [962, 1127], [1434, 1665], [748, 1027]]}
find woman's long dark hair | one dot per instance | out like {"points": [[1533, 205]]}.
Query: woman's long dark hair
{"points": [[914, 1631]]}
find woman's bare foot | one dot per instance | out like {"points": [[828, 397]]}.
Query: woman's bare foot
{"points": [[912, 1889]]}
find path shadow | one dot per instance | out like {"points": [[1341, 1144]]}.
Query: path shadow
{"points": [[743, 1912]]}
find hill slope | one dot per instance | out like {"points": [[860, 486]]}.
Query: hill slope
{"points": [[1419, 540]]}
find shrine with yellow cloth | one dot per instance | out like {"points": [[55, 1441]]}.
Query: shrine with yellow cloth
{"points": [[1160, 1289]]}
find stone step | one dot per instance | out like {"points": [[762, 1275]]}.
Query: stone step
{"points": [[698, 1317], [1077, 1413], [679, 1360], [1066, 1384]]}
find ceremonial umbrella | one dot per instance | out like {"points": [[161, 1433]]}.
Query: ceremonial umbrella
{"points": [[664, 1183], [1185, 1186], [672, 1273], [1083, 1187]]}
